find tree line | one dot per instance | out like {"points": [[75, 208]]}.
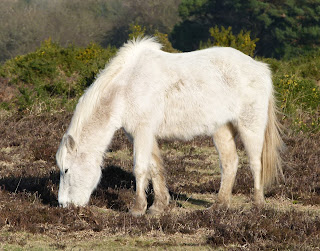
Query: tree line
{"points": [[284, 28], [25, 24]]}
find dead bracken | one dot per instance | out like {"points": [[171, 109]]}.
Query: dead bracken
{"points": [[29, 184]]}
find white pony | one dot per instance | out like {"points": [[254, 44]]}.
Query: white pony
{"points": [[153, 94]]}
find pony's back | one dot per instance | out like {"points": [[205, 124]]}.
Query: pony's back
{"points": [[190, 94]]}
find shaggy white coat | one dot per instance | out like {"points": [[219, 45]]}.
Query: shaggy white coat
{"points": [[153, 94]]}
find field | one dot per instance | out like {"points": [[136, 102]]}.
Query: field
{"points": [[38, 92], [31, 220]]}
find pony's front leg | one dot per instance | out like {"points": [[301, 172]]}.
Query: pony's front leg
{"points": [[142, 156]]}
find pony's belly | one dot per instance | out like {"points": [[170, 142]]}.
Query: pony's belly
{"points": [[186, 129], [188, 135], [186, 118]]}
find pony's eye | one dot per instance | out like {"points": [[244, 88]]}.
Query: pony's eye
{"points": [[65, 171]]}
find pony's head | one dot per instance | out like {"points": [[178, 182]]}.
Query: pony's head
{"points": [[80, 173]]}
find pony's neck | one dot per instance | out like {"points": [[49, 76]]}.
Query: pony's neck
{"points": [[96, 141], [93, 128]]}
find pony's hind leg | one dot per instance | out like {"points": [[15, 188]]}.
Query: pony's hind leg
{"points": [[143, 142], [253, 143], [161, 193], [224, 142]]}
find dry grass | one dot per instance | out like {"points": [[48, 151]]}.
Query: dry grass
{"points": [[30, 218]]}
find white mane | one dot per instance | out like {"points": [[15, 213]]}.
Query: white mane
{"points": [[92, 96]]}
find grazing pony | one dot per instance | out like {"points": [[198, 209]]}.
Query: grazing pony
{"points": [[153, 94]]}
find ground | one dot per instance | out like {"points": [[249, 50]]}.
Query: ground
{"points": [[30, 218]]}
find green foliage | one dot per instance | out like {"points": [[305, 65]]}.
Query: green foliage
{"points": [[139, 31], [188, 8], [163, 39], [285, 28], [136, 31], [225, 37], [297, 83], [299, 102], [54, 76], [26, 99]]}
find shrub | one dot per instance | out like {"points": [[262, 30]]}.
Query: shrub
{"points": [[53, 75], [163, 39], [225, 37], [298, 94], [136, 31], [299, 102], [139, 31]]}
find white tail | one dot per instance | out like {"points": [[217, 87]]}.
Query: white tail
{"points": [[271, 159]]}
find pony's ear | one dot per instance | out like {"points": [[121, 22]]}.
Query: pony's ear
{"points": [[70, 143]]}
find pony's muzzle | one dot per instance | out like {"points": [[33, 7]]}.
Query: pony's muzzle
{"points": [[62, 204]]}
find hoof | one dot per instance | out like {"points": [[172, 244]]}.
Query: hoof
{"points": [[224, 203], [138, 208], [155, 210], [259, 203], [259, 200], [216, 207], [136, 213]]}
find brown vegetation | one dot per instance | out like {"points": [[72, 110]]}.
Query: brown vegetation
{"points": [[29, 183], [7, 92]]}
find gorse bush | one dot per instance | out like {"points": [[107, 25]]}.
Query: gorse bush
{"points": [[225, 37], [299, 102], [297, 83], [139, 31], [163, 39], [136, 31], [54, 76]]}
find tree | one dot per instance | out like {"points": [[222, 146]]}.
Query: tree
{"points": [[282, 26]]}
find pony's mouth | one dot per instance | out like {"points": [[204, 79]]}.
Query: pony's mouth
{"points": [[63, 205]]}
